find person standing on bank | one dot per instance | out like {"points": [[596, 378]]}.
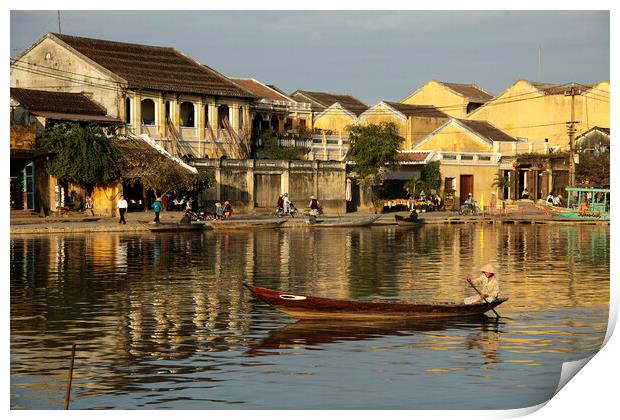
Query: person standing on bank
{"points": [[490, 286], [314, 206], [157, 208], [122, 208]]}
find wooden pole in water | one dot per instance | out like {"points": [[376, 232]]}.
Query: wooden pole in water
{"points": [[68, 393]]}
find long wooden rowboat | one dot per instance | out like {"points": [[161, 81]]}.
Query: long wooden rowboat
{"points": [[174, 227], [245, 224], [405, 221], [310, 307], [357, 222]]}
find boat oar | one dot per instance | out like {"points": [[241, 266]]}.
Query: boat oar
{"points": [[483, 298]]}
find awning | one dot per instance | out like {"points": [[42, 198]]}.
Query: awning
{"points": [[76, 117]]}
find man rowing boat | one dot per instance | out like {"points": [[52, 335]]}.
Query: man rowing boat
{"points": [[490, 286]]}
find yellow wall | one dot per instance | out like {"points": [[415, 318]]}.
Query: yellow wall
{"points": [[454, 138], [436, 94], [522, 111], [412, 129], [334, 119], [483, 178]]}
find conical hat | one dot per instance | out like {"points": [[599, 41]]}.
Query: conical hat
{"points": [[488, 268]]}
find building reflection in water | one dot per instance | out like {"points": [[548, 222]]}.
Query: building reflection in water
{"points": [[170, 297]]}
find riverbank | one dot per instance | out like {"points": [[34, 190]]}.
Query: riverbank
{"points": [[139, 221]]}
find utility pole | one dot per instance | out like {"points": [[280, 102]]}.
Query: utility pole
{"points": [[570, 126], [59, 31]]}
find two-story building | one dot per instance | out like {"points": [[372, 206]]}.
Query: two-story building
{"points": [[159, 93]]}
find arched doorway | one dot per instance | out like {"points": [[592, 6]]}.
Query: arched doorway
{"points": [[275, 124], [147, 111], [187, 115]]}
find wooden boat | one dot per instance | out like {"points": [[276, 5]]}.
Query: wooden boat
{"points": [[405, 221], [310, 307], [245, 224], [348, 222], [175, 227]]}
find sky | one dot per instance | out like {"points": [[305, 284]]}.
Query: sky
{"points": [[372, 55]]}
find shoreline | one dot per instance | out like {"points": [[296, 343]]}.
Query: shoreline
{"points": [[138, 221]]}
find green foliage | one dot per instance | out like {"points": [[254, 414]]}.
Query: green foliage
{"points": [[81, 154], [271, 150], [430, 179], [500, 181], [163, 176], [373, 147]]}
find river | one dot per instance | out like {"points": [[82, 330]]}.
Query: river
{"points": [[162, 321]]}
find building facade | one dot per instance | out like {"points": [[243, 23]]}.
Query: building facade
{"points": [[455, 99]]}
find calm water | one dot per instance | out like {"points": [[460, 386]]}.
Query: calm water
{"points": [[163, 321]]}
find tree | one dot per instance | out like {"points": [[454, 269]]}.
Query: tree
{"points": [[593, 171], [430, 179], [373, 148], [81, 154], [500, 182]]}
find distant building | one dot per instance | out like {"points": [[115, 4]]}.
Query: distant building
{"points": [[594, 141], [331, 114], [455, 99], [413, 121], [274, 111], [540, 111]]}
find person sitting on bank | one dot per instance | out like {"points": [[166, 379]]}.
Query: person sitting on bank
{"points": [[525, 194], [313, 206], [490, 286], [228, 211]]}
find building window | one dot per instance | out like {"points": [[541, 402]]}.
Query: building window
{"points": [[449, 184], [206, 116], [467, 157], [288, 124], [147, 111], [168, 113], [241, 122], [187, 115], [128, 110], [302, 122], [488, 158], [449, 157], [222, 116]]}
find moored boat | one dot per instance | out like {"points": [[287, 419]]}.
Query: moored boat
{"points": [[175, 227], [311, 307], [245, 224], [405, 221], [347, 222]]}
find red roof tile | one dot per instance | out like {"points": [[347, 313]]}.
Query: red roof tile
{"points": [[322, 100], [487, 130], [259, 90], [418, 110], [62, 102], [474, 92]]}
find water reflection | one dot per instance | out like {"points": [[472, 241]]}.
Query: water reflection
{"points": [[154, 315]]}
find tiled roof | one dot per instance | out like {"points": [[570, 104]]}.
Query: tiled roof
{"points": [[260, 90], [418, 110], [558, 89], [60, 102], [155, 68], [412, 156], [471, 91], [325, 100], [487, 130]]}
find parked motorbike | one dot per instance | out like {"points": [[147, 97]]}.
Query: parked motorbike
{"points": [[292, 211]]}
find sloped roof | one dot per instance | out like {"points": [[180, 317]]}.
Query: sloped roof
{"points": [[412, 156], [603, 130], [41, 100], [487, 130], [155, 68], [418, 110], [474, 92], [260, 90], [557, 89], [325, 100]]}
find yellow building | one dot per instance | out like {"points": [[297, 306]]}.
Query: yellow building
{"points": [[331, 114], [472, 154], [539, 111], [413, 121], [158, 92], [455, 99]]}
